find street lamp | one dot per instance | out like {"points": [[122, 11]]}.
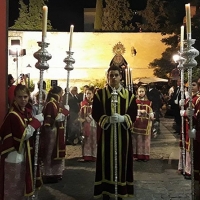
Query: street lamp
{"points": [[16, 51]]}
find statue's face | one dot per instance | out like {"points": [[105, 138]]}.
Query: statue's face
{"points": [[118, 59]]}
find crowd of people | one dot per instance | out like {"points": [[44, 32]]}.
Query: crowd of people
{"points": [[102, 124]]}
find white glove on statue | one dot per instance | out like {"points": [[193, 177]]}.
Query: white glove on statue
{"points": [[39, 117], [67, 107], [116, 118], [60, 117]]}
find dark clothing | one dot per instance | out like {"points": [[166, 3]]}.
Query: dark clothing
{"points": [[176, 97], [105, 167], [155, 97], [73, 126], [81, 96]]}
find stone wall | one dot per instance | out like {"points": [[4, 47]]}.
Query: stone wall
{"points": [[92, 53]]}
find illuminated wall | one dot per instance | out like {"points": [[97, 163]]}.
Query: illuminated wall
{"points": [[92, 54]]}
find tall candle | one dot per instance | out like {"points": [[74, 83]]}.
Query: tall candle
{"points": [[182, 39], [188, 20], [44, 23], [130, 75], [70, 39], [126, 77]]}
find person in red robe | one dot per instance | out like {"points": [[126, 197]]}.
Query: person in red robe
{"points": [[89, 126], [17, 149], [186, 147], [196, 144], [142, 127], [11, 89], [103, 113], [52, 137]]}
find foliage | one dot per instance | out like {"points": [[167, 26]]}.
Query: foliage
{"points": [[48, 84], [117, 16], [30, 16], [100, 83], [98, 15], [167, 17], [31, 86], [96, 83]]}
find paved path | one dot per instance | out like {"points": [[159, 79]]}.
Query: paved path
{"points": [[154, 180]]}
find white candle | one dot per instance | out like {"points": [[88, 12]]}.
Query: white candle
{"points": [[126, 77], [44, 23], [130, 75], [70, 39], [182, 38], [188, 20]]}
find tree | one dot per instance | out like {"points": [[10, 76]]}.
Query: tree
{"points": [[30, 16], [117, 16], [98, 15], [166, 17]]}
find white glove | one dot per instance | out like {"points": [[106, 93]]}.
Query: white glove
{"points": [[90, 116], [151, 115], [143, 111], [67, 107], [120, 118], [88, 119], [138, 112], [182, 113], [116, 118], [182, 102], [39, 117], [190, 112], [60, 117], [29, 132]]}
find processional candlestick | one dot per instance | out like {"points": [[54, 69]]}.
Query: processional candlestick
{"points": [[189, 53], [69, 67], [42, 56], [114, 105]]}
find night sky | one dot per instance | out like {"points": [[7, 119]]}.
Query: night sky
{"points": [[63, 13]]}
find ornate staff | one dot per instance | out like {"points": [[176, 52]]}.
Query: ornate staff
{"points": [[42, 56], [189, 54], [181, 60], [114, 104], [180, 66], [69, 62]]}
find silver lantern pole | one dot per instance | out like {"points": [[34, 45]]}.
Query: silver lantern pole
{"points": [[69, 67], [189, 54], [181, 61], [114, 104], [42, 56]]}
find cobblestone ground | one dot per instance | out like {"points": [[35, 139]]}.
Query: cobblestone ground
{"points": [[154, 180]]}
